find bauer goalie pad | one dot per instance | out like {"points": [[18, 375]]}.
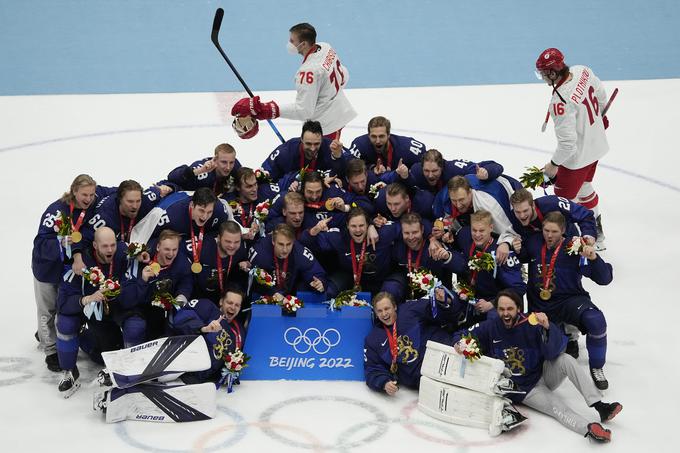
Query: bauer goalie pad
{"points": [[161, 359], [466, 407], [162, 403], [443, 363]]}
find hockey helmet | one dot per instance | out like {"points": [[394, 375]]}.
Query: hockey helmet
{"points": [[245, 126], [550, 60]]}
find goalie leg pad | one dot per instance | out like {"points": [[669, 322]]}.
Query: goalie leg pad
{"points": [[466, 407], [444, 364], [159, 403], [157, 358]]}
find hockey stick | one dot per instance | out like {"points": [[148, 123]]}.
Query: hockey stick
{"points": [[609, 102], [604, 112], [217, 23]]}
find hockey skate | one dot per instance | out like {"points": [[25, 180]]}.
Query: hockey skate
{"points": [[572, 348], [599, 242], [99, 400], [69, 383], [608, 411], [103, 379], [598, 433], [505, 386], [599, 379], [52, 362], [511, 418]]}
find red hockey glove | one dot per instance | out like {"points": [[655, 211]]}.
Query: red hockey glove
{"points": [[605, 121], [253, 107]]}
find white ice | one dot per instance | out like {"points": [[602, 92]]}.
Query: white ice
{"points": [[46, 140]]}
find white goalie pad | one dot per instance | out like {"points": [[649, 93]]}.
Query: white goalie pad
{"points": [[444, 364], [466, 407], [160, 403], [158, 359]]}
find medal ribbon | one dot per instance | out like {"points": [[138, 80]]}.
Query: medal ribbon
{"points": [[236, 330], [387, 164], [473, 275], [392, 340], [196, 243], [312, 163], [547, 273], [420, 254], [246, 220], [357, 268], [122, 228], [79, 222], [220, 277], [280, 276]]}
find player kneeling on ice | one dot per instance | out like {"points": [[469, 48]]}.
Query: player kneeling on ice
{"points": [[532, 348], [223, 333], [394, 349], [140, 383]]}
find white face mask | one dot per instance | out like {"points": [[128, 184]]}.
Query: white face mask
{"points": [[291, 48]]}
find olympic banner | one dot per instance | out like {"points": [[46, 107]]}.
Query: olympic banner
{"points": [[316, 344]]}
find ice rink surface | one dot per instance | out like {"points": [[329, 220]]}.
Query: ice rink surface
{"points": [[46, 140]]}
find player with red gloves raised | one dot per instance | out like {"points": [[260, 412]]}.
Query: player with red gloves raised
{"points": [[320, 83]]}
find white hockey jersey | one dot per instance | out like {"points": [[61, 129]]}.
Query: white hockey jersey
{"points": [[579, 129], [320, 96]]}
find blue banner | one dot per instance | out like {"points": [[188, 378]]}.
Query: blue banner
{"points": [[315, 344]]}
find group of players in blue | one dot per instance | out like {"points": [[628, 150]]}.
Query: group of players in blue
{"points": [[369, 217]]}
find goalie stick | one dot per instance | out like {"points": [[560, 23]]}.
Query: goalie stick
{"points": [[604, 112], [214, 36]]}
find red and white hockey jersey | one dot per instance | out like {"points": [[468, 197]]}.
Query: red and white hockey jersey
{"points": [[320, 95], [581, 138]]}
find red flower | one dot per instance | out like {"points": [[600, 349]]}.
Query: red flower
{"points": [[426, 280], [479, 254]]}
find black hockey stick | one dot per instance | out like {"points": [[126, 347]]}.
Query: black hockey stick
{"points": [[214, 36]]}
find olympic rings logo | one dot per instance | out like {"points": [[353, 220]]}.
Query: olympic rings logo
{"points": [[311, 339]]}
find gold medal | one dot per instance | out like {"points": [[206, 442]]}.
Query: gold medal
{"points": [[393, 368], [545, 294], [196, 268], [533, 320], [76, 237], [155, 267], [439, 224], [329, 204]]}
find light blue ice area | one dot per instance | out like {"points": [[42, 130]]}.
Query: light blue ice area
{"points": [[98, 46]]}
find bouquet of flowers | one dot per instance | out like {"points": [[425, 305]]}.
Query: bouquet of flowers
{"points": [[166, 301], [236, 208], [421, 281], [575, 246], [110, 288], [375, 188], [62, 224], [234, 363], [95, 276], [481, 261], [262, 210], [262, 175], [470, 348], [262, 277], [347, 298], [465, 291], [300, 177], [264, 300], [291, 304], [135, 249], [534, 177]]}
